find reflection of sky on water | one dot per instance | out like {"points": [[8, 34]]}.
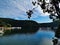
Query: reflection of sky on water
{"points": [[26, 39]]}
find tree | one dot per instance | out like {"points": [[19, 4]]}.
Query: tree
{"points": [[50, 6]]}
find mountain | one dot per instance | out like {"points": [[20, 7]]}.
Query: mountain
{"points": [[26, 25], [17, 23]]}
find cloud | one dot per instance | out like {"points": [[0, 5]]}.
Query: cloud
{"points": [[12, 9], [16, 9], [19, 6]]}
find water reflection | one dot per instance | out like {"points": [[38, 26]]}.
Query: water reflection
{"points": [[37, 38]]}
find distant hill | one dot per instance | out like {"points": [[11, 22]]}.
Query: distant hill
{"points": [[17, 23], [52, 24], [27, 25]]}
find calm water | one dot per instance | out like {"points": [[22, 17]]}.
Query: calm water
{"points": [[38, 38]]}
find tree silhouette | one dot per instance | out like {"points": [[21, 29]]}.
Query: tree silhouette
{"points": [[29, 13], [50, 6]]}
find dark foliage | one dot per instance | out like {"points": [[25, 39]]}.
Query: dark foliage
{"points": [[50, 7], [57, 33]]}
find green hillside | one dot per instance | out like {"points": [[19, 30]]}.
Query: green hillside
{"points": [[27, 25]]}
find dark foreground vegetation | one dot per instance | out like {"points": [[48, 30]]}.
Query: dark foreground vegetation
{"points": [[57, 32]]}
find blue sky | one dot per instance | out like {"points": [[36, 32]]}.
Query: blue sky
{"points": [[16, 9]]}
